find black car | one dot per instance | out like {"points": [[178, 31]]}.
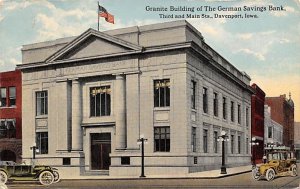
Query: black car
{"points": [[46, 175]]}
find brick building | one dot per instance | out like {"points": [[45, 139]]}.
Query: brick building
{"points": [[282, 111], [257, 122], [10, 116], [297, 139]]}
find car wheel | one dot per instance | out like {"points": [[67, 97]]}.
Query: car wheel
{"points": [[255, 174], [3, 177], [270, 175], [46, 178], [294, 170], [56, 176]]}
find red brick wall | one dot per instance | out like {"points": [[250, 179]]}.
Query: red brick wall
{"points": [[283, 113], [13, 79]]}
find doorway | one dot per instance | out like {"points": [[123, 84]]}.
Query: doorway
{"points": [[100, 150]]}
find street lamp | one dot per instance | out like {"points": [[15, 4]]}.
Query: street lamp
{"points": [[253, 143], [142, 141], [223, 138], [34, 150]]}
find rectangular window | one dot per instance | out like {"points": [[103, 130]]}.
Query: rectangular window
{"points": [[66, 161], [239, 114], [41, 103], [216, 104], [224, 108], [204, 94], [42, 142], [3, 97], [195, 160], [247, 117], [162, 139], [232, 144], [125, 160], [193, 95], [162, 93], [100, 101], [194, 142], [7, 128], [205, 142], [239, 144], [215, 141], [12, 96], [247, 145], [232, 111], [269, 132]]}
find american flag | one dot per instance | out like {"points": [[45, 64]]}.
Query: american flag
{"points": [[103, 13]]}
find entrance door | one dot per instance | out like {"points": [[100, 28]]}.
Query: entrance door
{"points": [[100, 150]]}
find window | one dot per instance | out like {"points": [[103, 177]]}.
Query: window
{"points": [[269, 132], [42, 142], [7, 128], [162, 139], [100, 101], [3, 97], [204, 93], [195, 160], [194, 142], [12, 96], [232, 111], [239, 144], [216, 104], [125, 160], [193, 95], [162, 93], [224, 108], [239, 114], [66, 161], [205, 135], [41, 103], [232, 144], [215, 141], [247, 117], [247, 145]]}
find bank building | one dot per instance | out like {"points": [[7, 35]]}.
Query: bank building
{"points": [[88, 99]]}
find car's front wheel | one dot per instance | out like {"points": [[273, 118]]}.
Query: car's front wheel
{"points": [[3, 177], [46, 178], [56, 176], [270, 175], [294, 170], [255, 174]]}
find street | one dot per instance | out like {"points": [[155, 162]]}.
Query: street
{"points": [[238, 181]]}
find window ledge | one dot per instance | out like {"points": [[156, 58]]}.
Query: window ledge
{"points": [[161, 108], [8, 107], [41, 116]]}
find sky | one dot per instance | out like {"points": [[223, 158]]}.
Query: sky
{"points": [[266, 48]]}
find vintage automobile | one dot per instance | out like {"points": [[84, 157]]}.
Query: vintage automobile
{"points": [[279, 163], [46, 175]]}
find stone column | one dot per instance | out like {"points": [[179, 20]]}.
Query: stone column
{"points": [[120, 112], [76, 116]]}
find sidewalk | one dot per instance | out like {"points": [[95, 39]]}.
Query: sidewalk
{"points": [[197, 175]]}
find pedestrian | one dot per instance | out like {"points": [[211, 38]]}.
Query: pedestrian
{"points": [[265, 158]]}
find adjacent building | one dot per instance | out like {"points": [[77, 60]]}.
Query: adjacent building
{"points": [[297, 140], [11, 116], [282, 112], [273, 130], [87, 100], [257, 123]]}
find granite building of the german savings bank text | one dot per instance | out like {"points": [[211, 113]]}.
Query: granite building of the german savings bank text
{"points": [[87, 99]]}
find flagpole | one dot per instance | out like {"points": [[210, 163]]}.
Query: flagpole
{"points": [[98, 14]]}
